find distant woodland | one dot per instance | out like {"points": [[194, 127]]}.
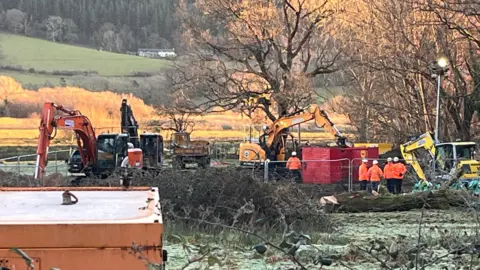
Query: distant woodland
{"points": [[113, 25]]}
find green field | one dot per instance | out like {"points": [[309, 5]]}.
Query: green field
{"points": [[36, 79], [50, 56]]}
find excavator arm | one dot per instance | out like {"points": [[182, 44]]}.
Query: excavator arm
{"points": [[72, 120], [129, 124], [424, 141], [321, 120]]}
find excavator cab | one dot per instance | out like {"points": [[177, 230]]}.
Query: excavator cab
{"points": [[112, 149], [152, 148], [458, 155]]}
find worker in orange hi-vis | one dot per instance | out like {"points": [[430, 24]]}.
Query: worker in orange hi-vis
{"points": [[375, 174], [388, 174], [294, 165], [399, 171], [363, 175]]}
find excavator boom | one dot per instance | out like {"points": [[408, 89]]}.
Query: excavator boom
{"points": [[424, 141], [73, 120], [272, 142], [129, 124], [321, 120]]}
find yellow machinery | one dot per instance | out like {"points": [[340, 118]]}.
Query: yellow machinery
{"points": [[448, 155], [273, 142], [382, 147]]}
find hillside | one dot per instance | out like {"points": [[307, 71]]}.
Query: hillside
{"points": [[46, 57]]}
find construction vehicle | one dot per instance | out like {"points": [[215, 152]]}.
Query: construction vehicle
{"points": [[275, 140], [150, 143], [99, 155], [447, 156], [185, 151], [96, 155]]}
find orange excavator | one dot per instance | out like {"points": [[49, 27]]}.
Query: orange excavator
{"points": [[99, 155], [273, 143], [73, 120]]}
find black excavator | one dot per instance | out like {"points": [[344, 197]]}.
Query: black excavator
{"points": [[150, 143]]}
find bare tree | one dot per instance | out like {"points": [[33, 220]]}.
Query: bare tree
{"points": [[462, 17], [397, 41], [249, 49]]}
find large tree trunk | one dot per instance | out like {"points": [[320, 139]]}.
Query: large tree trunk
{"points": [[361, 202], [442, 198]]}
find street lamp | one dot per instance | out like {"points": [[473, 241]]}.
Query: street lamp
{"points": [[439, 67]]}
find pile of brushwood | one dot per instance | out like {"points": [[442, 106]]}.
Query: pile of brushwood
{"points": [[234, 197]]}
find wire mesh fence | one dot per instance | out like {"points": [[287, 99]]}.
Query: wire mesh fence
{"points": [[342, 172], [336, 171], [22, 168]]}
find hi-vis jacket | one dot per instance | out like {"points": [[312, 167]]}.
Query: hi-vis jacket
{"points": [[399, 170], [363, 172], [294, 163], [388, 171], [375, 174]]}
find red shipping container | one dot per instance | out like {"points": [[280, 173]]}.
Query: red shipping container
{"points": [[319, 167], [322, 165]]}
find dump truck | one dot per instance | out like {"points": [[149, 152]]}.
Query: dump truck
{"points": [[185, 151], [92, 228]]}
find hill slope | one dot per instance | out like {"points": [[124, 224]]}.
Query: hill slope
{"points": [[50, 56]]}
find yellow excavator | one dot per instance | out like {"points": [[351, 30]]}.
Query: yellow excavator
{"points": [[273, 142], [447, 156]]}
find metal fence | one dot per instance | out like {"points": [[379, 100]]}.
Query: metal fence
{"points": [[336, 171], [342, 172], [26, 164]]}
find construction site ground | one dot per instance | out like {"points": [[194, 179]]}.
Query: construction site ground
{"points": [[349, 230]]}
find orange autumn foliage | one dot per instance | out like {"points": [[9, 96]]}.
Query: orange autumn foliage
{"points": [[102, 108]]}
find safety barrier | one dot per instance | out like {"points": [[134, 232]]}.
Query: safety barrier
{"points": [[335, 171], [18, 165], [343, 172]]}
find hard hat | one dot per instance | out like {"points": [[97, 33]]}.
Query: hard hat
{"points": [[389, 159], [294, 153], [375, 162], [130, 145], [395, 159], [364, 160]]}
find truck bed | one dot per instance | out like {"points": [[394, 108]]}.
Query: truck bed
{"points": [[96, 233]]}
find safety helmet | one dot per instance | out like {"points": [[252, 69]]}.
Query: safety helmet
{"points": [[389, 159], [130, 145], [395, 159], [294, 153], [375, 162], [364, 160]]}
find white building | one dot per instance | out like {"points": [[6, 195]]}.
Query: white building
{"points": [[157, 53]]}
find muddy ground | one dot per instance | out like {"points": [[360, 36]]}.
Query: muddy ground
{"points": [[442, 230]]}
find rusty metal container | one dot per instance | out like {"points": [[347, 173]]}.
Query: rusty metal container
{"points": [[105, 229]]}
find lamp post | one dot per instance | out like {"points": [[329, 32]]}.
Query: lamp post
{"points": [[439, 68]]}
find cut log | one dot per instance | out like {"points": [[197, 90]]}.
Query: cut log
{"points": [[364, 202]]}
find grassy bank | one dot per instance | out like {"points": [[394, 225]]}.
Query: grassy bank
{"points": [[41, 55]]}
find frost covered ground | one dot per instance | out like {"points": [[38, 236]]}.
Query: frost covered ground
{"points": [[442, 231]]}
